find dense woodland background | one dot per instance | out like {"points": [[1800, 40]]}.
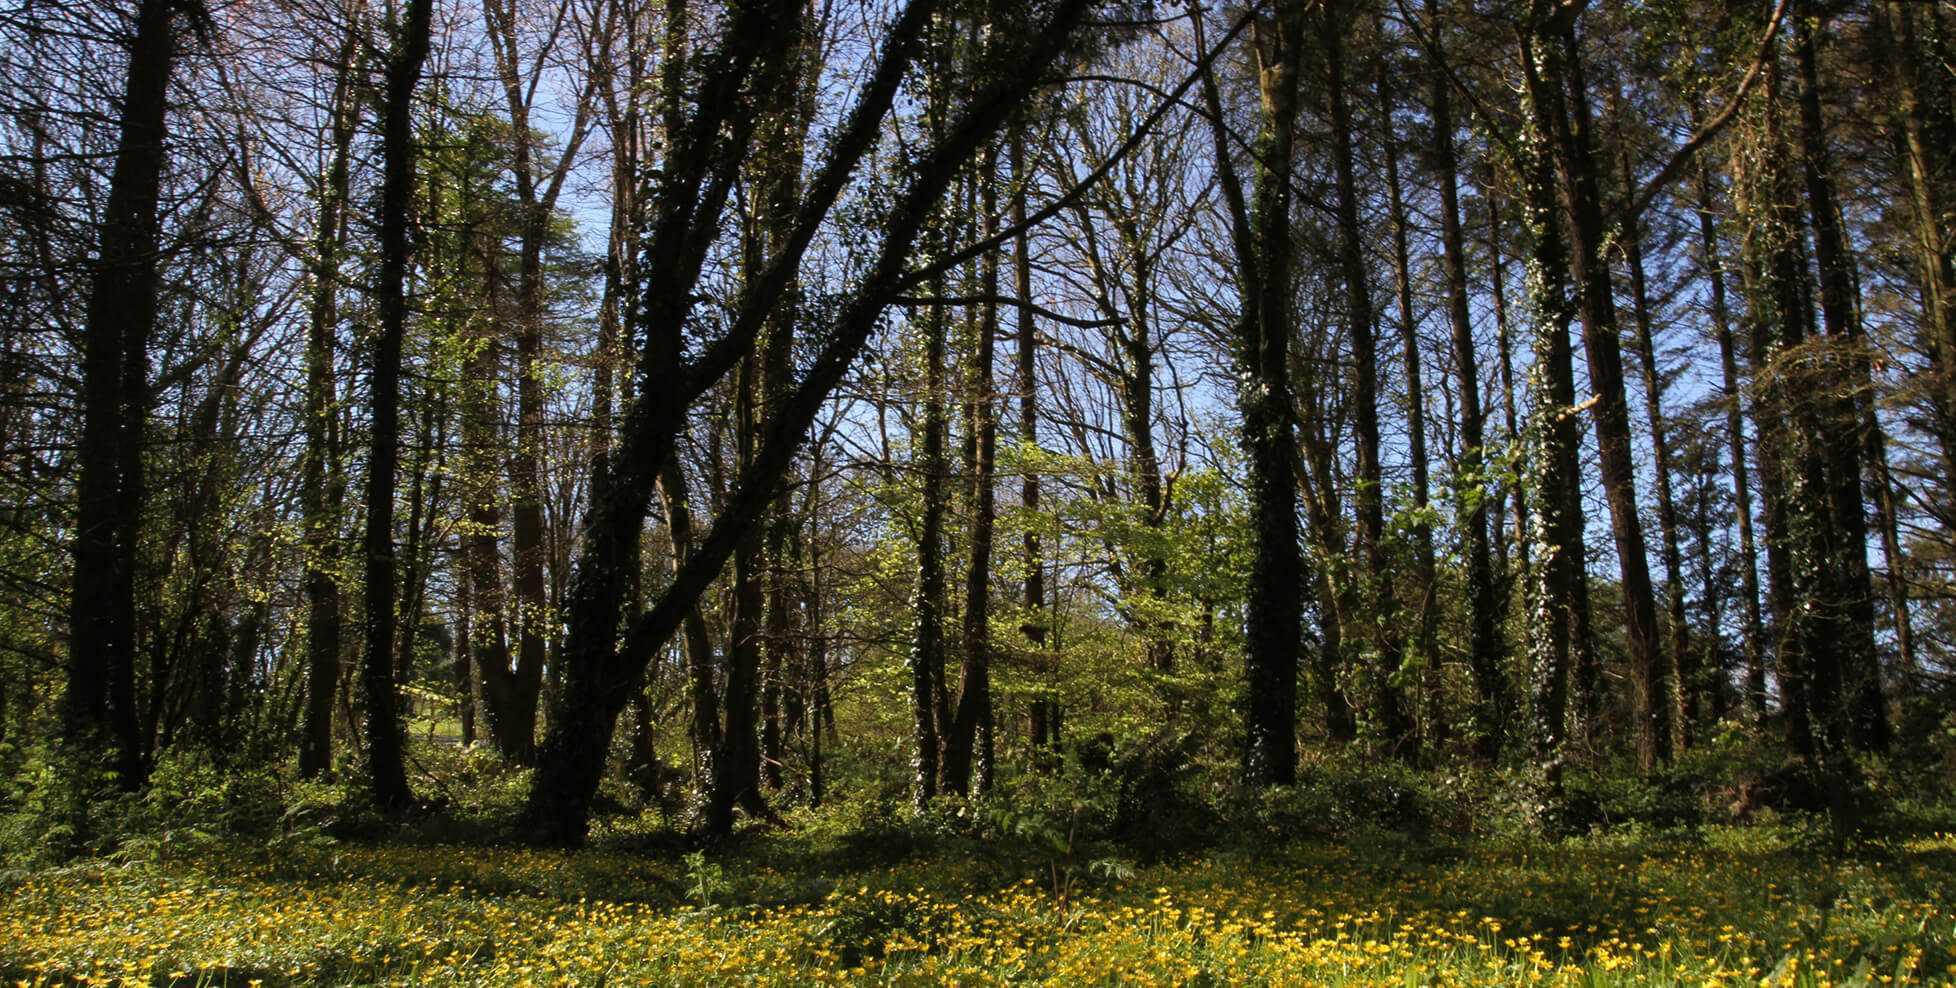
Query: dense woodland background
{"points": [[779, 401]]}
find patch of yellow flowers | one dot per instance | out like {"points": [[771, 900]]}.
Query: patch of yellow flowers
{"points": [[1311, 915]]}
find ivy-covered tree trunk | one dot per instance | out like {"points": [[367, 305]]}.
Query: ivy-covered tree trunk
{"points": [[927, 649], [1261, 235], [1791, 478], [1555, 521], [1568, 130]]}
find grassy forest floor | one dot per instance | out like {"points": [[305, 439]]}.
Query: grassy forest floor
{"points": [[869, 896]]}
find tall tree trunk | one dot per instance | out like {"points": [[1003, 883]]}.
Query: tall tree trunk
{"points": [[1042, 715], [1926, 105], [1751, 628], [536, 203], [1426, 641], [1566, 118], [1261, 235], [971, 725], [1687, 683], [1852, 611], [1493, 706], [1379, 603], [99, 708], [927, 645], [322, 488], [702, 686], [482, 437], [1555, 520], [1789, 477], [383, 727]]}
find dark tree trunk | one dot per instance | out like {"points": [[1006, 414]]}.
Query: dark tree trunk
{"points": [[1927, 112], [1751, 628], [1569, 130], [482, 553], [99, 708], [971, 725], [927, 645], [1426, 641], [1379, 604], [693, 191], [323, 492], [1493, 705], [1852, 609], [1556, 578], [383, 726], [1790, 478], [1261, 235], [1687, 683]]}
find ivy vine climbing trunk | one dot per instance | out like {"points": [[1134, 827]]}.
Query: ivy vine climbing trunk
{"points": [[1261, 237]]}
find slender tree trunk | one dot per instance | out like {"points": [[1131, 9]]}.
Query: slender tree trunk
{"points": [[1927, 111], [1751, 628], [383, 727], [1426, 640], [1042, 714], [927, 646], [99, 708], [1687, 683], [1569, 129], [464, 654], [323, 490], [1853, 609], [1493, 706], [970, 736], [536, 204], [1379, 602]]}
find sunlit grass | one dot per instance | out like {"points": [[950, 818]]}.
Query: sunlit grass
{"points": [[1719, 907]]}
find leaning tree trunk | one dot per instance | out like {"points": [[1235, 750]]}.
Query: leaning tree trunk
{"points": [[694, 187]]}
